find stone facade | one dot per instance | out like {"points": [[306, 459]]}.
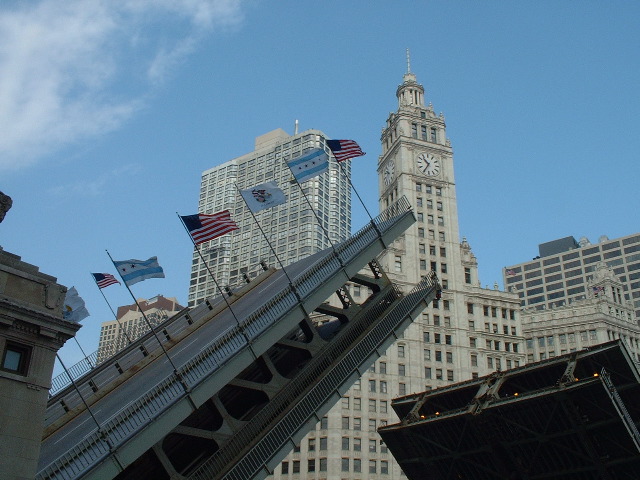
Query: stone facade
{"points": [[602, 316], [470, 332], [32, 330]]}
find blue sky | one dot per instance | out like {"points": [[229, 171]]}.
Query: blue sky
{"points": [[110, 111]]}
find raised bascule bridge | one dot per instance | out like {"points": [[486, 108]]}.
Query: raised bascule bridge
{"points": [[237, 382]]}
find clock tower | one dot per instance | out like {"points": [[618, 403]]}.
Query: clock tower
{"points": [[417, 162], [471, 331]]}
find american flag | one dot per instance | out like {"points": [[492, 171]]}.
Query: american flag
{"points": [[203, 228], [344, 149], [104, 279], [597, 290], [511, 273]]}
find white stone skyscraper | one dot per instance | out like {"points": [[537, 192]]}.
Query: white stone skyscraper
{"points": [[470, 332], [292, 229]]}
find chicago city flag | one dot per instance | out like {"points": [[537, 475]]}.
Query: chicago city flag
{"points": [[310, 164], [134, 271]]}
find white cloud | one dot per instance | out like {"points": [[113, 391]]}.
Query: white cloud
{"points": [[66, 68]]}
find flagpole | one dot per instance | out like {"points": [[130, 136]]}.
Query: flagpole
{"points": [[83, 353], [164, 350], [216, 282], [112, 311], [100, 431], [359, 198], [326, 233], [295, 291]]}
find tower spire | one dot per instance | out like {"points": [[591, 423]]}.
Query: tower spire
{"points": [[410, 92]]}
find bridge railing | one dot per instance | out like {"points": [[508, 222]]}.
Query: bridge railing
{"points": [[96, 446]]}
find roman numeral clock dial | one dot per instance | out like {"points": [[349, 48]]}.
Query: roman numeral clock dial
{"points": [[428, 164], [389, 171]]}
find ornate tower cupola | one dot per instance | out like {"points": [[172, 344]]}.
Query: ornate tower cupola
{"points": [[410, 92]]}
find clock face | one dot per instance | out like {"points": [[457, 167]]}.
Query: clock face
{"points": [[389, 170], [428, 164]]}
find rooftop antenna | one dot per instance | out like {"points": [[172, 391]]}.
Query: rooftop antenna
{"points": [[408, 62], [295, 128]]}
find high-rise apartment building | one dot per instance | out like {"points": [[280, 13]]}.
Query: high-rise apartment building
{"points": [[470, 332], [292, 229], [562, 271], [130, 323]]}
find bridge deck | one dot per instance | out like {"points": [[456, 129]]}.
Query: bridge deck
{"points": [[128, 420]]}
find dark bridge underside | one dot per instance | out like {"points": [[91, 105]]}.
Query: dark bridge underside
{"points": [[222, 438]]}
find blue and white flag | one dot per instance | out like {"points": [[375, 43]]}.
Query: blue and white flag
{"points": [[263, 196], [74, 309], [134, 271], [310, 164]]}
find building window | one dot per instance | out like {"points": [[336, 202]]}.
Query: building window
{"points": [[434, 135], [474, 360], [285, 467], [427, 372], [384, 467], [323, 443], [401, 370], [15, 358], [345, 444], [398, 263], [467, 277], [324, 423], [372, 466], [402, 389], [382, 366], [345, 464], [400, 351], [345, 423], [357, 465], [357, 423], [372, 386], [414, 130], [323, 464], [357, 444]]}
